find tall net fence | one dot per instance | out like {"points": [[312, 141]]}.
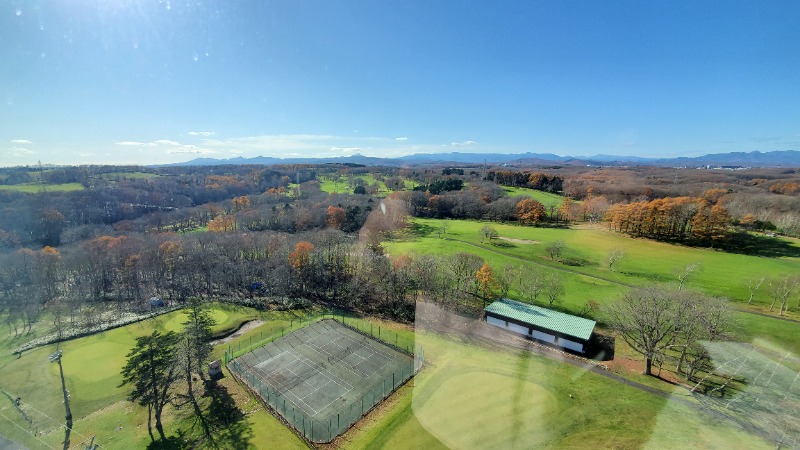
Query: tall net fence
{"points": [[317, 428]]}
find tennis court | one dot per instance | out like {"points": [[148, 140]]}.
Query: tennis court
{"points": [[322, 378]]}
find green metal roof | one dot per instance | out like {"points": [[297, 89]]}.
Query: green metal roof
{"points": [[544, 318]]}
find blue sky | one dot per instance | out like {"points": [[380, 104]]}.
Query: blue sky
{"points": [[122, 81]]}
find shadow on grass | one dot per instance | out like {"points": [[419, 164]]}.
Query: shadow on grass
{"points": [[420, 230], [647, 276], [227, 422], [755, 245], [502, 244], [171, 443]]}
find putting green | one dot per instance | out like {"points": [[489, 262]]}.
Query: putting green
{"points": [[476, 408], [176, 323]]}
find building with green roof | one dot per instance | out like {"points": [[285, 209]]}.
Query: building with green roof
{"points": [[541, 324]]}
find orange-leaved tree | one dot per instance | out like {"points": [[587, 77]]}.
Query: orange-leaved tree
{"points": [[529, 211], [487, 282]]}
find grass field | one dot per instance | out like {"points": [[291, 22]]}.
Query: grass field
{"points": [[645, 262], [545, 198], [92, 369], [475, 397], [469, 397], [35, 188]]}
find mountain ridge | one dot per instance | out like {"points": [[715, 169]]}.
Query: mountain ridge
{"points": [[777, 158]]}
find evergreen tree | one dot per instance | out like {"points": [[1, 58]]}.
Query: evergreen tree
{"points": [[151, 370]]}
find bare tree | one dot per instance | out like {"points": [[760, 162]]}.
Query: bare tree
{"points": [[614, 256], [530, 282], [780, 290], [555, 249], [553, 288], [683, 274], [645, 318], [752, 286]]}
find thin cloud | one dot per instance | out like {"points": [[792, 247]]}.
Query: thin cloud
{"points": [[167, 142], [21, 141], [201, 133], [462, 144], [21, 151], [401, 139], [190, 149], [136, 144]]}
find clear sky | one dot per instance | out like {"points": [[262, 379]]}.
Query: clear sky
{"points": [[123, 81]]}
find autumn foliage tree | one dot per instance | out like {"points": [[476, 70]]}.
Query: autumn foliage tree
{"points": [[674, 218], [222, 223], [486, 281], [299, 258], [530, 212], [336, 217]]}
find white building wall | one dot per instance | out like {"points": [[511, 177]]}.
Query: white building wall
{"points": [[518, 328], [544, 337], [572, 345], [495, 321]]}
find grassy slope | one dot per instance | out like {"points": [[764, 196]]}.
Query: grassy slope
{"points": [[545, 198], [645, 262]]}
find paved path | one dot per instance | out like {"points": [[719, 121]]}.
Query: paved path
{"points": [[597, 277]]}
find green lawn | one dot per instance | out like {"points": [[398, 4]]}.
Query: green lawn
{"points": [[92, 370], [473, 397], [645, 262], [469, 397], [35, 188], [545, 198]]}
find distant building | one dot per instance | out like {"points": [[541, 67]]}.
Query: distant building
{"points": [[541, 324]]}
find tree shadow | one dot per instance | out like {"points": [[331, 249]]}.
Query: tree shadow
{"points": [[170, 443], [226, 421], [420, 230], [501, 244], [755, 245]]}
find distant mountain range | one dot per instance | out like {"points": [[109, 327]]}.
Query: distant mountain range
{"points": [[785, 158]]}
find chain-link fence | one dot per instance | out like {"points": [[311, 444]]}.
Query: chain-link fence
{"points": [[320, 430]]}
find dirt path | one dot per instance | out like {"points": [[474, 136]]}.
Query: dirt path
{"points": [[243, 328]]}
